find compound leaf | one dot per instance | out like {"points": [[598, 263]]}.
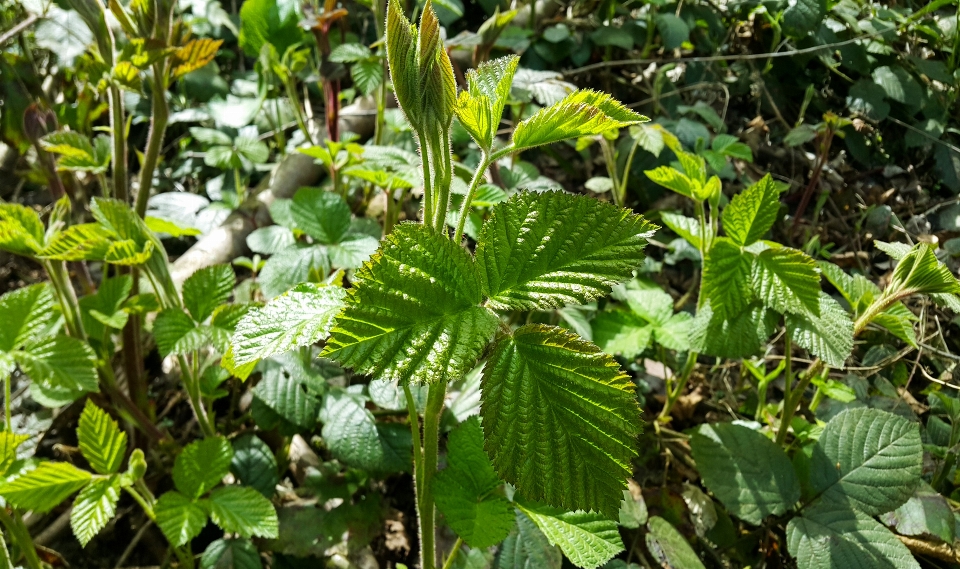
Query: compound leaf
{"points": [[177, 333], [786, 280], [201, 465], [207, 289], [828, 336], [726, 278], [751, 213], [61, 362], [321, 214], [179, 518]]}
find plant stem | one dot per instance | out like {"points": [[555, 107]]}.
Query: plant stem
{"points": [[674, 394], [67, 298], [7, 406], [21, 537], [158, 127], [427, 188], [621, 195], [192, 384], [471, 193], [290, 85], [118, 129], [425, 506], [5, 562], [453, 553]]}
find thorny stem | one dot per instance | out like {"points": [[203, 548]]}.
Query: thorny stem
{"points": [[425, 505]]}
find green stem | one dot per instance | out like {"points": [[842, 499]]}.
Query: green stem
{"points": [[5, 562], [192, 384], [7, 406], [427, 188], [453, 553], [425, 504], [118, 129], [471, 193], [238, 186], [621, 195], [158, 127], [140, 499], [414, 420], [674, 395], [21, 537], [67, 298], [290, 86], [443, 174]]}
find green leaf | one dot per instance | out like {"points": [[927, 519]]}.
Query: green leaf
{"points": [[401, 39], [480, 106], [61, 362], [177, 333], [786, 280], [206, 289], [350, 52], [86, 241], [201, 465], [868, 458], [673, 29], [926, 513], [105, 309], [231, 554], [739, 337], [434, 331], [621, 332], [243, 511], [527, 548], [293, 266], [254, 464], [352, 435], [540, 251], [298, 318], [77, 152], [582, 113], [587, 539], [730, 145], [21, 231], [321, 214], [251, 148], [570, 444], [118, 218], [669, 547], [287, 393], [270, 240], [465, 491], [352, 252], [102, 442], [268, 22], [44, 487], [803, 17], [367, 75], [9, 442], [686, 227], [745, 470], [28, 316], [179, 518], [833, 536], [920, 272], [726, 278], [94, 507], [751, 213], [674, 180], [828, 336], [898, 84]]}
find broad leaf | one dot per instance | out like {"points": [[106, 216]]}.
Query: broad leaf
{"points": [[21, 231], [243, 511], [673, 179], [739, 337], [527, 548], [570, 444], [270, 22], [669, 547], [292, 266], [620, 332], [321, 214], [207, 289], [254, 464], [868, 458], [194, 55], [286, 393], [352, 435], [102, 442], [9, 442], [465, 491], [745, 470], [79, 242], [587, 539], [434, 331], [44, 487], [786, 280], [751, 213], [177, 333], [726, 278], [540, 251], [201, 465], [94, 507], [179, 518], [833, 536], [28, 314], [828, 336], [686, 227], [61, 362], [582, 113], [237, 553]]}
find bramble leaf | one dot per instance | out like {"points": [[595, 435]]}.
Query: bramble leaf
{"points": [[44, 487], [686, 227], [201, 465], [21, 231], [668, 545], [102, 442], [61, 362], [94, 507], [177, 333], [587, 539], [828, 336], [28, 314], [321, 214], [752, 212], [207, 289], [243, 511], [254, 464], [786, 280], [726, 278], [179, 518], [921, 272], [480, 106], [581, 113], [237, 553], [527, 548]]}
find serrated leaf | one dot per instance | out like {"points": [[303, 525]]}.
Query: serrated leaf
{"points": [[527, 548], [235, 553], [179, 518], [786, 280], [94, 507], [726, 278], [868, 458], [28, 314], [201, 465], [102, 442], [582, 113], [177, 333], [480, 106], [833, 536], [920, 272], [21, 231], [367, 75], [298, 318], [44, 487], [745, 470], [194, 55], [571, 443], [243, 511], [350, 52], [686, 227], [86, 241], [254, 465], [352, 252], [127, 252], [669, 547], [321, 214], [587, 539], [540, 251], [435, 331], [828, 336], [465, 490], [804, 16], [9, 442], [77, 152], [286, 393], [401, 38], [293, 266], [751, 213], [437, 87], [61, 362], [250, 147], [621, 332], [206, 289], [741, 336], [270, 240], [270, 22]]}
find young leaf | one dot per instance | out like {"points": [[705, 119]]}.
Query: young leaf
{"points": [[44, 487], [77, 152], [102, 442], [201, 465], [786, 280], [194, 55], [465, 491], [686, 227], [402, 59], [587, 539], [726, 278], [177, 333], [833, 536], [237, 553], [94, 507], [86, 241], [527, 548], [206, 289], [21, 231], [541, 251], [751, 213], [28, 314], [674, 180], [270, 22], [179, 518], [480, 107], [582, 113], [570, 444], [434, 331], [868, 458], [668, 545], [8, 449], [243, 511], [437, 88], [745, 470], [828, 336], [921, 272]]}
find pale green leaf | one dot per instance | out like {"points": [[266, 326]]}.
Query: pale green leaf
{"points": [[206, 289], [127, 252], [201, 465], [168, 227], [401, 40], [434, 331], [44, 487], [669, 547], [235, 553], [527, 548], [298, 318], [350, 52], [9, 442], [77, 152], [921, 272], [828, 336], [786, 280], [480, 107], [286, 391], [367, 75], [86, 241], [251, 148], [292, 266], [321, 214], [672, 179], [582, 113], [179, 518], [352, 252], [587, 539], [270, 240], [572, 441], [210, 136], [465, 491], [869, 458], [726, 278], [540, 251], [28, 316], [94, 507], [243, 511], [896, 251], [102, 442], [621, 332], [745, 470], [686, 227], [752, 212], [21, 231]]}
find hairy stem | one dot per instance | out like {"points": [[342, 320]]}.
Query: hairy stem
{"points": [[425, 505], [158, 127], [118, 129], [471, 193]]}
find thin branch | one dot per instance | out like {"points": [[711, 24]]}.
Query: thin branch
{"points": [[18, 28]]}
